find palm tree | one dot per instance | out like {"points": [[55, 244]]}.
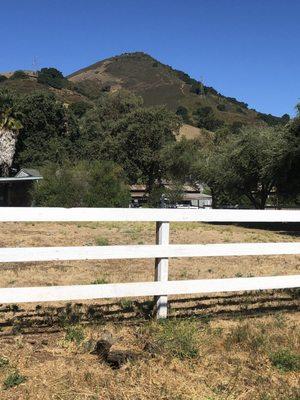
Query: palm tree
{"points": [[9, 130]]}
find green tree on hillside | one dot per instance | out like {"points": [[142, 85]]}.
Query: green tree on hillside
{"points": [[52, 77], [19, 75], [97, 123], [49, 131], [183, 113], [206, 118]]}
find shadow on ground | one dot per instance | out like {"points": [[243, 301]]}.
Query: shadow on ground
{"points": [[282, 228], [44, 318]]}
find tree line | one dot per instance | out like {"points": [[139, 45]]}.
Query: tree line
{"points": [[89, 152]]}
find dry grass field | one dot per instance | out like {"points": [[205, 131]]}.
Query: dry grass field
{"points": [[237, 346]]}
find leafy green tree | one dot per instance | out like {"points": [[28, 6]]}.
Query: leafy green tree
{"points": [[140, 137], [118, 128], [285, 118], [179, 158], [49, 131], [183, 113], [52, 77], [206, 119], [96, 184], [79, 108], [10, 126], [97, 123], [107, 186], [197, 88], [289, 182], [248, 166]]}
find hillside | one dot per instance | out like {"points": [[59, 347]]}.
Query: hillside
{"points": [[156, 83]]}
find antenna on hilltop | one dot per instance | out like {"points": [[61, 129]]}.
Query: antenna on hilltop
{"points": [[202, 91], [35, 64]]}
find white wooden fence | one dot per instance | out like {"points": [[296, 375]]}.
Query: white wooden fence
{"points": [[161, 251]]}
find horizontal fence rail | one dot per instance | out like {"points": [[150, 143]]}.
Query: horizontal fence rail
{"points": [[161, 252], [26, 254], [141, 289], [21, 214]]}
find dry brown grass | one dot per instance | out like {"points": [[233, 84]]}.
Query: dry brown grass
{"points": [[234, 334]]}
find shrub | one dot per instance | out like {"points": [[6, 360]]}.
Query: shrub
{"points": [[19, 75], [183, 113], [221, 107], [285, 360], [100, 281], [127, 305], [3, 362], [176, 338], [206, 118], [197, 88], [52, 77], [74, 334], [102, 241], [3, 78], [97, 184], [13, 380], [80, 108]]}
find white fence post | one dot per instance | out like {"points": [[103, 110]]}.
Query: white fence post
{"points": [[161, 268]]}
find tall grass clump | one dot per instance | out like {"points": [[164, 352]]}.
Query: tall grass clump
{"points": [[175, 338]]}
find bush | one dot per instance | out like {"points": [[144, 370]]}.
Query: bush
{"points": [[2, 78], [97, 184], [52, 77], [19, 75], [285, 360], [221, 107], [197, 88], [80, 108], [183, 113], [206, 119]]}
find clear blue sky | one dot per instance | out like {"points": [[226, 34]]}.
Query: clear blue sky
{"points": [[248, 49]]}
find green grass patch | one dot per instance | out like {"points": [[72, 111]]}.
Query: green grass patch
{"points": [[14, 379], [285, 360], [74, 334], [101, 241], [176, 338], [4, 362], [246, 336], [99, 281]]}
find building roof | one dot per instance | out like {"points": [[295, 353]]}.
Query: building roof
{"points": [[25, 174], [28, 172]]}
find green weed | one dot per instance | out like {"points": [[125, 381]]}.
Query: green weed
{"points": [[285, 360], [14, 379]]}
